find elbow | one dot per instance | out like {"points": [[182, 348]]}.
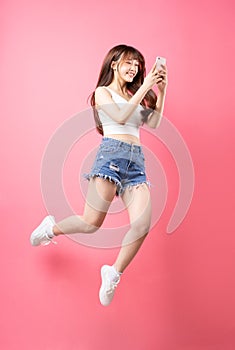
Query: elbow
{"points": [[158, 123], [154, 126], [154, 123], [121, 122], [159, 119]]}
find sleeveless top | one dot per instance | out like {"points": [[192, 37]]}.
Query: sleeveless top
{"points": [[132, 125]]}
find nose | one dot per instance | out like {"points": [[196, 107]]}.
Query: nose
{"points": [[133, 67]]}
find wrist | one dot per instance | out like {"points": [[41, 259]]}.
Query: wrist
{"points": [[162, 92], [144, 89], [141, 92]]}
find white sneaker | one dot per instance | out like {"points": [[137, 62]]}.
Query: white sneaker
{"points": [[43, 234], [110, 281]]}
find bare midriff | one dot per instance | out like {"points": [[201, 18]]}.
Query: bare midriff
{"points": [[125, 138]]}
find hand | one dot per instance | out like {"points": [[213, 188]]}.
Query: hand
{"points": [[162, 79], [152, 78]]}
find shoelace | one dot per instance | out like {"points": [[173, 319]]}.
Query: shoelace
{"points": [[48, 240], [112, 286]]}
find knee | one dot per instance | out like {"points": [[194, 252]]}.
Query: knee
{"points": [[141, 229], [90, 226]]}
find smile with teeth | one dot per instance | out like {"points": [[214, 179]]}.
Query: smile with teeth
{"points": [[131, 74]]}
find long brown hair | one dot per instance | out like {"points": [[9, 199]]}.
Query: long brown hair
{"points": [[106, 77]]}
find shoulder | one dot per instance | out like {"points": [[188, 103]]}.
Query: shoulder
{"points": [[102, 90], [102, 95]]}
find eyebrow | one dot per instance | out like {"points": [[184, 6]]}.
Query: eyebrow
{"points": [[132, 59]]}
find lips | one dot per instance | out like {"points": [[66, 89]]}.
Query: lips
{"points": [[131, 75]]}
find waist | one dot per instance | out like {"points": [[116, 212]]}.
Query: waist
{"points": [[120, 144], [118, 129], [130, 139]]}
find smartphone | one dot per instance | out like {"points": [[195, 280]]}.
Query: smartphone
{"points": [[159, 61]]}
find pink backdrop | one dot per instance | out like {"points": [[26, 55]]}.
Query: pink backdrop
{"points": [[179, 291]]}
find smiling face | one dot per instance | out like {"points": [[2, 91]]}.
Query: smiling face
{"points": [[126, 68]]}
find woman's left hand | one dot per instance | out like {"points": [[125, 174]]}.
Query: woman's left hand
{"points": [[162, 80]]}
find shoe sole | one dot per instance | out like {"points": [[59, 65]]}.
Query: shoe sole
{"points": [[40, 227], [102, 273]]}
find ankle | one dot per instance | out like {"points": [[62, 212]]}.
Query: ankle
{"points": [[119, 271], [56, 231]]}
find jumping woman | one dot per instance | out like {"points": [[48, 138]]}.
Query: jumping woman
{"points": [[122, 102]]}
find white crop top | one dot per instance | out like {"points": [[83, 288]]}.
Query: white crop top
{"points": [[132, 125]]}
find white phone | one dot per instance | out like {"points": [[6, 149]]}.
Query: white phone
{"points": [[159, 61]]}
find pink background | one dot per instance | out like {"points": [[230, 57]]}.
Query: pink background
{"points": [[179, 291]]}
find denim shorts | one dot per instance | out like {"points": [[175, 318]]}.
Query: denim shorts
{"points": [[120, 162]]}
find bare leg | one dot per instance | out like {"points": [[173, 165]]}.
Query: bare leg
{"points": [[138, 203], [99, 197]]}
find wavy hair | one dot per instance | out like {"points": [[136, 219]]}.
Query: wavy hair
{"points": [[122, 52]]}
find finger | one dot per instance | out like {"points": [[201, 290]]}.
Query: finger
{"points": [[163, 81], [162, 71], [159, 80], [154, 68], [161, 75]]}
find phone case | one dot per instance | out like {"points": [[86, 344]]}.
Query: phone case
{"points": [[159, 61]]}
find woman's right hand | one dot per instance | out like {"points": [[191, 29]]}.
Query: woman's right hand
{"points": [[152, 78]]}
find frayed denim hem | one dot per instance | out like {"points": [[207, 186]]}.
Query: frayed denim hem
{"points": [[105, 177], [120, 189], [138, 184]]}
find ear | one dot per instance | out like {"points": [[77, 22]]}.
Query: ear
{"points": [[114, 65]]}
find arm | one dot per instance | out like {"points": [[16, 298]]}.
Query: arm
{"points": [[154, 119], [120, 115]]}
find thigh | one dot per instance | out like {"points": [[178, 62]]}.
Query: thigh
{"points": [[138, 203], [99, 197]]}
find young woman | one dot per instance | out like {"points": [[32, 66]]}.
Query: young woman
{"points": [[123, 101]]}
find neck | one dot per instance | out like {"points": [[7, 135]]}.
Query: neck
{"points": [[119, 85]]}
